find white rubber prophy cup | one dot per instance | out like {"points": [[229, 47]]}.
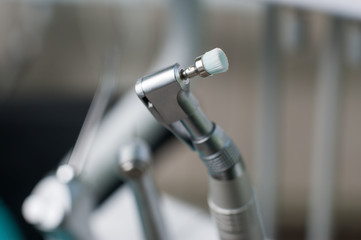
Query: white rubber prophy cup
{"points": [[215, 61]]}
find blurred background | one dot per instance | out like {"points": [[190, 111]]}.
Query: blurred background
{"points": [[290, 100]]}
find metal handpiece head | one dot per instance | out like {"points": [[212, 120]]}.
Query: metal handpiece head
{"points": [[159, 92], [167, 95]]}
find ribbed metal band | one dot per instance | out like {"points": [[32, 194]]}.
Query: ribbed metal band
{"points": [[237, 224], [221, 161]]}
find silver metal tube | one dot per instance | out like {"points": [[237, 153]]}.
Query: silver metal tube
{"points": [[267, 123], [96, 111], [235, 212], [231, 198], [353, 44], [134, 165], [293, 29], [326, 137]]}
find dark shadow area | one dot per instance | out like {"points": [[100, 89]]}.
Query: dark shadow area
{"points": [[34, 137]]}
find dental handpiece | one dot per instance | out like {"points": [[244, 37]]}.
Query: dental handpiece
{"points": [[134, 168], [167, 95]]}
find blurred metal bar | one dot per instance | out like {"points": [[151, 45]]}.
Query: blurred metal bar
{"points": [[343, 9], [104, 92], [353, 44], [267, 123], [135, 168], [326, 139], [293, 29]]}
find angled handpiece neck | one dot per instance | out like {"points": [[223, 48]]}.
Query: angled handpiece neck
{"points": [[168, 97]]}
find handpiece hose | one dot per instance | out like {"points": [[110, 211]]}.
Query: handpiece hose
{"points": [[167, 96]]}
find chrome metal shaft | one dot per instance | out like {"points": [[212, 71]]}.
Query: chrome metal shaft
{"points": [[134, 166]]}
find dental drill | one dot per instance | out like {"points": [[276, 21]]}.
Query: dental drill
{"points": [[167, 95]]}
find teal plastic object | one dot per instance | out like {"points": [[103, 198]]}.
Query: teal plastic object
{"points": [[9, 230]]}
